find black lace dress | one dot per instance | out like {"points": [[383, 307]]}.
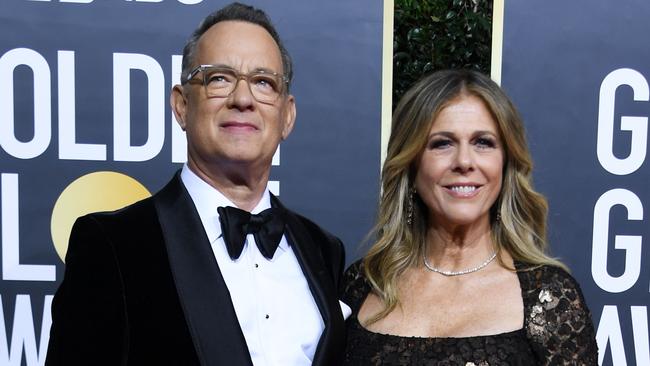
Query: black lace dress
{"points": [[557, 329]]}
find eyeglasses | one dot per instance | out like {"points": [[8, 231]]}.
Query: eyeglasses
{"points": [[219, 81]]}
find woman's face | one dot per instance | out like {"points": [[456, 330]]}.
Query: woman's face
{"points": [[460, 171]]}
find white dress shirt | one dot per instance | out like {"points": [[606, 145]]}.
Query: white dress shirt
{"points": [[275, 308]]}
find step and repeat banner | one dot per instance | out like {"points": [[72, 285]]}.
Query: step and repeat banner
{"points": [[85, 125], [579, 71]]}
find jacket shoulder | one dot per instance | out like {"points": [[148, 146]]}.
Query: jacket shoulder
{"points": [[330, 247], [133, 210], [327, 237]]}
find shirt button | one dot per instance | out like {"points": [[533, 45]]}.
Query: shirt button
{"points": [[267, 316], [256, 265]]}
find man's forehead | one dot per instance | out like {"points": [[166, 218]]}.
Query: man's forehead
{"points": [[239, 42]]}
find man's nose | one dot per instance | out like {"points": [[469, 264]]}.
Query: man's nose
{"points": [[241, 96]]}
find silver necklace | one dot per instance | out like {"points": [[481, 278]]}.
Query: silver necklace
{"points": [[461, 272]]}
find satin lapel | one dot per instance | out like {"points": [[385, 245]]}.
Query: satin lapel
{"points": [[203, 294], [309, 255]]}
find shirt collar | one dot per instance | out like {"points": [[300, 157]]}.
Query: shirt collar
{"points": [[207, 198]]}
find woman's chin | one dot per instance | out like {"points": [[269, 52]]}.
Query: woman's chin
{"points": [[463, 219]]}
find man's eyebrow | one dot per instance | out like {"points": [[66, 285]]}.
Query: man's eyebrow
{"points": [[265, 69], [257, 69], [221, 66], [225, 66]]}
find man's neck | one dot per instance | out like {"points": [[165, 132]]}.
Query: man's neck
{"points": [[244, 187]]}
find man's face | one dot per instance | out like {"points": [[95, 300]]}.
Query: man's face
{"points": [[237, 129]]}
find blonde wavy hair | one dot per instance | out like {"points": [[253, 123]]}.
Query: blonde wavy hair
{"points": [[521, 230]]}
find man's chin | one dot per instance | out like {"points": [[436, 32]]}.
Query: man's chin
{"points": [[246, 158]]}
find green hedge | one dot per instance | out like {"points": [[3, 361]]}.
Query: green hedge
{"points": [[431, 35]]}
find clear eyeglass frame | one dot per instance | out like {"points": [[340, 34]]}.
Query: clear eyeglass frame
{"points": [[221, 81]]}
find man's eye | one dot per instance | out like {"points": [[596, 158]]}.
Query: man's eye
{"points": [[263, 82], [219, 78]]}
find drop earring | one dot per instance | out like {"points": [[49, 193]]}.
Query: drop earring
{"points": [[409, 207]]}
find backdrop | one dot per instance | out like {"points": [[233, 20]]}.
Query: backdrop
{"points": [[85, 125], [579, 71]]}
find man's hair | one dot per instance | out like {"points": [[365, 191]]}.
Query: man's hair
{"points": [[235, 12]]}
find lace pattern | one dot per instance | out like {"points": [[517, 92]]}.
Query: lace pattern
{"points": [[557, 329], [556, 318]]}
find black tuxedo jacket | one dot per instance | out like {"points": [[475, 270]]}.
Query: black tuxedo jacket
{"points": [[142, 287]]}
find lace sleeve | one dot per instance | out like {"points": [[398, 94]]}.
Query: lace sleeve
{"points": [[557, 320], [355, 287]]}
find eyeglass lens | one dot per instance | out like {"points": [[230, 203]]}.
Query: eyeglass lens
{"points": [[221, 82]]}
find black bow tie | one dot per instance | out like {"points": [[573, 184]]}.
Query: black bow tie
{"points": [[267, 228]]}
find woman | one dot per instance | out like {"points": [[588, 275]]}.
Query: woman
{"points": [[458, 273]]}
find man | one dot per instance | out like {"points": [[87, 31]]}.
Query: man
{"points": [[183, 277]]}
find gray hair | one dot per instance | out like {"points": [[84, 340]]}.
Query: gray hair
{"points": [[235, 12]]}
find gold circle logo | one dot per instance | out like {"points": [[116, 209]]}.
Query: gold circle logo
{"points": [[94, 192]]}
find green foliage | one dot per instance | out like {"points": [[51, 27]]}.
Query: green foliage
{"points": [[430, 35]]}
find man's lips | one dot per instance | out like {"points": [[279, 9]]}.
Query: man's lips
{"points": [[238, 126]]}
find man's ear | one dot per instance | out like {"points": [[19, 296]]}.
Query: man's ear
{"points": [[178, 102], [289, 116]]}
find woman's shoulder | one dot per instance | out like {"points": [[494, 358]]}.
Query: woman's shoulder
{"points": [[548, 286], [354, 276], [557, 319], [355, 268], [355, 285], [537, 277]]}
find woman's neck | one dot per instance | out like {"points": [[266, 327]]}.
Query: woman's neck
{"points": [[459, 247]]}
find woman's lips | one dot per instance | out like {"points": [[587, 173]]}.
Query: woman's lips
{"points": [[463, 190]]}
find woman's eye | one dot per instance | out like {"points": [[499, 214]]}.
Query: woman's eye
{"points": [[485, 142], [439, 144]]}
